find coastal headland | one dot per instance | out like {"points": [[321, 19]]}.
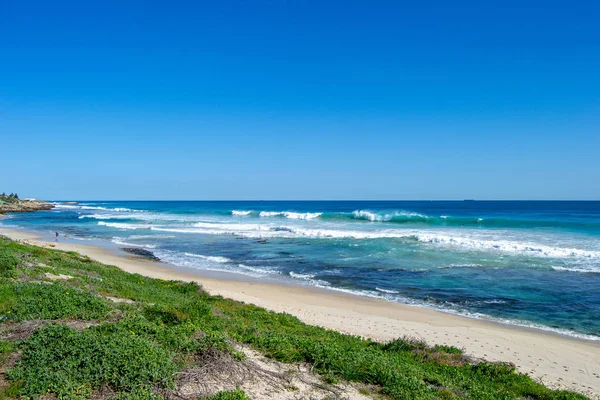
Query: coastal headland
{"points": [[12, 203]]}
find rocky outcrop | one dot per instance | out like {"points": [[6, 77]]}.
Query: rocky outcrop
{"points": [[142, 253], [24, 206]]}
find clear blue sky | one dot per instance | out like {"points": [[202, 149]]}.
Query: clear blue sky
{"points": [[300, 99]]}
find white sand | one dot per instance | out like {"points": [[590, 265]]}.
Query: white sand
{"points": [[555, 360]]}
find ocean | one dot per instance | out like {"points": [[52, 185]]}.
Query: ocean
{"points": [[529, 263]]}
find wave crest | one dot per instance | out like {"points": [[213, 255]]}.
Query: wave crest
{"points": [[120, 225], [290, 214], [217, 259], [240, 212], [398, 216]]}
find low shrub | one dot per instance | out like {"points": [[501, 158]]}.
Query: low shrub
{"points": [[237, 394], [8, 263], [58, 359], [56, 301]]}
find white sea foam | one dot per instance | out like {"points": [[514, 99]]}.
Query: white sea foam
{"points": [[310, 279], [269, 214], [372, 216], [293, 215], [495, 301], [386, 291], [217, 259], [151, 237], [259, 270], [140, 216], [367, 215], [232, 227], [208, 263], [240, 212], [290, 214], [591, 270], [120, 225], [113, 216], [301, 276], [461, 265], [188, 230], [506, 246], [60, 206], [101, 216], [464, 242], [342, 234], [370, 293], [121, 242], [76, 207], [481, 241], [85, 239]]}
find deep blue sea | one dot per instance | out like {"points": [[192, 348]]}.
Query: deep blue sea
{"points": [[522, 262]]}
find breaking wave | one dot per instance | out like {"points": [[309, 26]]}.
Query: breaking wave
{"points": [[261, 231], [395, 216], [290, 214], [238, 212], [86, 207], [409, 217], [365, 216], [120, 225]]}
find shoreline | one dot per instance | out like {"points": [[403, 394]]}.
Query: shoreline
{"points": [[116, 249], [556, 360]]}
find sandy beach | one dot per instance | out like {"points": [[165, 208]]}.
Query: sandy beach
{"points": [[555, 360]]}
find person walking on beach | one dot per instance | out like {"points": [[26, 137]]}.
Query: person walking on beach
{"points": [[56, 236]]}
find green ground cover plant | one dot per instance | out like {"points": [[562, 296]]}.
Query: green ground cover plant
{"points": [[84, 343], [237, 394]]}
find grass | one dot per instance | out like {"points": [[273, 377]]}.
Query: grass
{"points": [[58, 359], [55, 301], [236, 394], [135, 350]]}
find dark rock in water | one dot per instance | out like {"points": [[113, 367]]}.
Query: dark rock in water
{"points": [[143, 253], [262, 241]]}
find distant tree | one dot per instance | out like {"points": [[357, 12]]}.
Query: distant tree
{"points": [[16, 196]]}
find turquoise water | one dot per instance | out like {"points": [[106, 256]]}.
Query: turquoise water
{"points": [[527, 263]]}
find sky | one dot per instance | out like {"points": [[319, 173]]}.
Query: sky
{"points": [[201, 100]]}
